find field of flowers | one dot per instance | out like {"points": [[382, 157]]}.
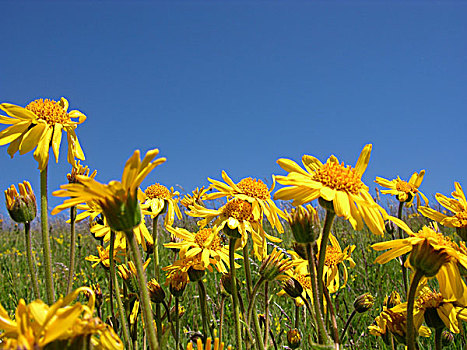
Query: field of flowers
{"points": [[316, 263]]}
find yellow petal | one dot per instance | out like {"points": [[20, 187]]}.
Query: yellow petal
{"points": [[363, 160], [32, 138]]}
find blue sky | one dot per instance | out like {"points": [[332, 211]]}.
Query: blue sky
{"points": [[236, 85]]}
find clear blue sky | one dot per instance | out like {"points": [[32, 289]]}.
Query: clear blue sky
{"points": [[236, 85]]}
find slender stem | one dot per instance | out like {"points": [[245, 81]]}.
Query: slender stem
{"points": [[32, 270], [403, 257], [266, 314], [204, 309], [347, 324], [438, 338], [49, 284], [317, 315], [113, 278], [238, 330], [71, 267], [158, 322], [332, 313], [143, 290], [411, 332], [246, 263], [251, 310], [155, 238], [221, 317], [297, 316], [322, 254], [177, 325]]}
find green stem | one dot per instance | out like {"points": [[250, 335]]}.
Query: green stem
{"points": [[266, 314], [297, 316], [155, 238], [32, 270], [438, 338], [113, 277], [317, 315], [347, 324], [177, 325], [252, 310], [403, 257], [71, 267], [246, 263], [204, 309], [158, 322], [238, 330], [221, 317], [49, 284], [144, 294], [411, 332], [332, 313], [322, 254]]}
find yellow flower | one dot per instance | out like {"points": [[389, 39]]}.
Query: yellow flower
{"points": [[199, 343], [205, 244], [118, 200], [448, 275], [456, 205], [41, 124], [253, 191], [195, 198], [158, 199], [403, 190], [37, 324], [333, 182], [274, 265], [236, 214], [79, 169], [103, 258]]}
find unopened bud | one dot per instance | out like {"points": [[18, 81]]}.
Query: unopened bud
{"points": [[177, 283], [364, 302], [226, 282], [292, 287], [156, 293], [273, 265], [447, 338], [21, 206], [195, 275], [294, 338], [302, 222]]}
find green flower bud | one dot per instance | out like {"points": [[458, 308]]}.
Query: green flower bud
{"points": [[447, 338], [363, 303], [294, 338], [156, 293], [195, 275], [302, 221], [292, 287], [22, 207]]}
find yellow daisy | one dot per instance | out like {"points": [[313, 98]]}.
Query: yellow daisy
{"points": [[236, 214], [205, 243], [103, 257], [456, 205], [333, 182], [41, 124], [403, 190], [196, 197], [253, 191], [118, 200], [159, 199]]}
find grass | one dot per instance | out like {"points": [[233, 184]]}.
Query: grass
{"points": [[366, 276]]}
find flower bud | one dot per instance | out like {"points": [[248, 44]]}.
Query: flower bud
{"points": [[302, 222], [156, 293], [294, 338], [98, 294], [447, 338], [426, 259], [78, 169], [273, 265], [123, 213], [195, 275], [226, 282], [363, 303], [22, 207], [292, 287], [177, 283]]}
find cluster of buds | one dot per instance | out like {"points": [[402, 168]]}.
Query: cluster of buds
{"points": [[273, 265], [21, 206], [304, 223]]}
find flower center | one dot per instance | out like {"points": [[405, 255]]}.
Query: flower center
{"points": [[157, 191], [429, 299], [48, 110], [239, 209], [405, 187], [254, 188], [339, 177], [202, 236], [460, 219], [304, 280], [333, 256]]}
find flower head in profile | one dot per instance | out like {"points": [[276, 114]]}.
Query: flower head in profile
{"points": [[40, 125], [332, 182], [196, 197], [236, 215], [118, 199], [456, 205], [254, 192], [405, 191], [79, 169], [158, 199], [103, 257]]}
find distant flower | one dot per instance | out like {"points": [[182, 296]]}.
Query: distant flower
{"points": [[195, 198], [41, 124], [158, 199], [335, 183], [403, 190], [254, 192]]}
